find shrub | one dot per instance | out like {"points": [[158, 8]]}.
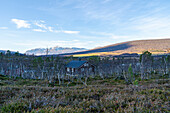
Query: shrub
{"points": [[3, 77], [135, 82], [17, 107]]}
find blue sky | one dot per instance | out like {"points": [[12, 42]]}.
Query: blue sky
{"points": [[28, 24]]}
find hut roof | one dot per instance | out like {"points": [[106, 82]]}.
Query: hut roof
{"points": [[75, 64]]}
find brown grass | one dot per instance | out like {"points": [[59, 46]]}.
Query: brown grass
{"points": [[100, 95]]}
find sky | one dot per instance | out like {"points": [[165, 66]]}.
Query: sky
{"points": [[29, 24]]}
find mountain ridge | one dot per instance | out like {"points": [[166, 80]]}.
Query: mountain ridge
{"points": [[156, 46], [53, 50]]}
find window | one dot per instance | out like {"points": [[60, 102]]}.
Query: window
{"points": [[72, 70], [68, 69], [85, 64], [82, 69]]}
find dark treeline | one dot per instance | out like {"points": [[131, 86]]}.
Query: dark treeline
{"points": [[144, 66]]}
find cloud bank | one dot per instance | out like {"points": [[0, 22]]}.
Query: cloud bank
{"points": [[39, 30], [21, 23], [42, 27]]}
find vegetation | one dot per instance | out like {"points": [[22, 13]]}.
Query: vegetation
{"points": [[119, 84], [101, 95]]}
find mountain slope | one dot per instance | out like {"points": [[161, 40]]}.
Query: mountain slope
{"points": [[54, 50], [157, 46]]}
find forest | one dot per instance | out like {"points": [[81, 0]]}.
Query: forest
{"points": [[119, 84]]}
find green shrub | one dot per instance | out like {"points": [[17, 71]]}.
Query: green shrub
{"points": [[3, 77], [135, 82], [58, 110], [18, 107]]}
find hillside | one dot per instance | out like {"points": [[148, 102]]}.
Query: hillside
{"points": [[157, 46], [54, 50]]}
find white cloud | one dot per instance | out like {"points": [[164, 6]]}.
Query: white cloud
{"points": [[63, 31], [41, 25], [21, 23], [39, 30], [42, 21], [56, 31], [50, 29], [71, 32], [3, 27]]}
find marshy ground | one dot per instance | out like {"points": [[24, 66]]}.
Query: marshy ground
{"points": [[100, 95]]}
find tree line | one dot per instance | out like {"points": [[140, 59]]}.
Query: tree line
{"points": [[51, 68]]}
